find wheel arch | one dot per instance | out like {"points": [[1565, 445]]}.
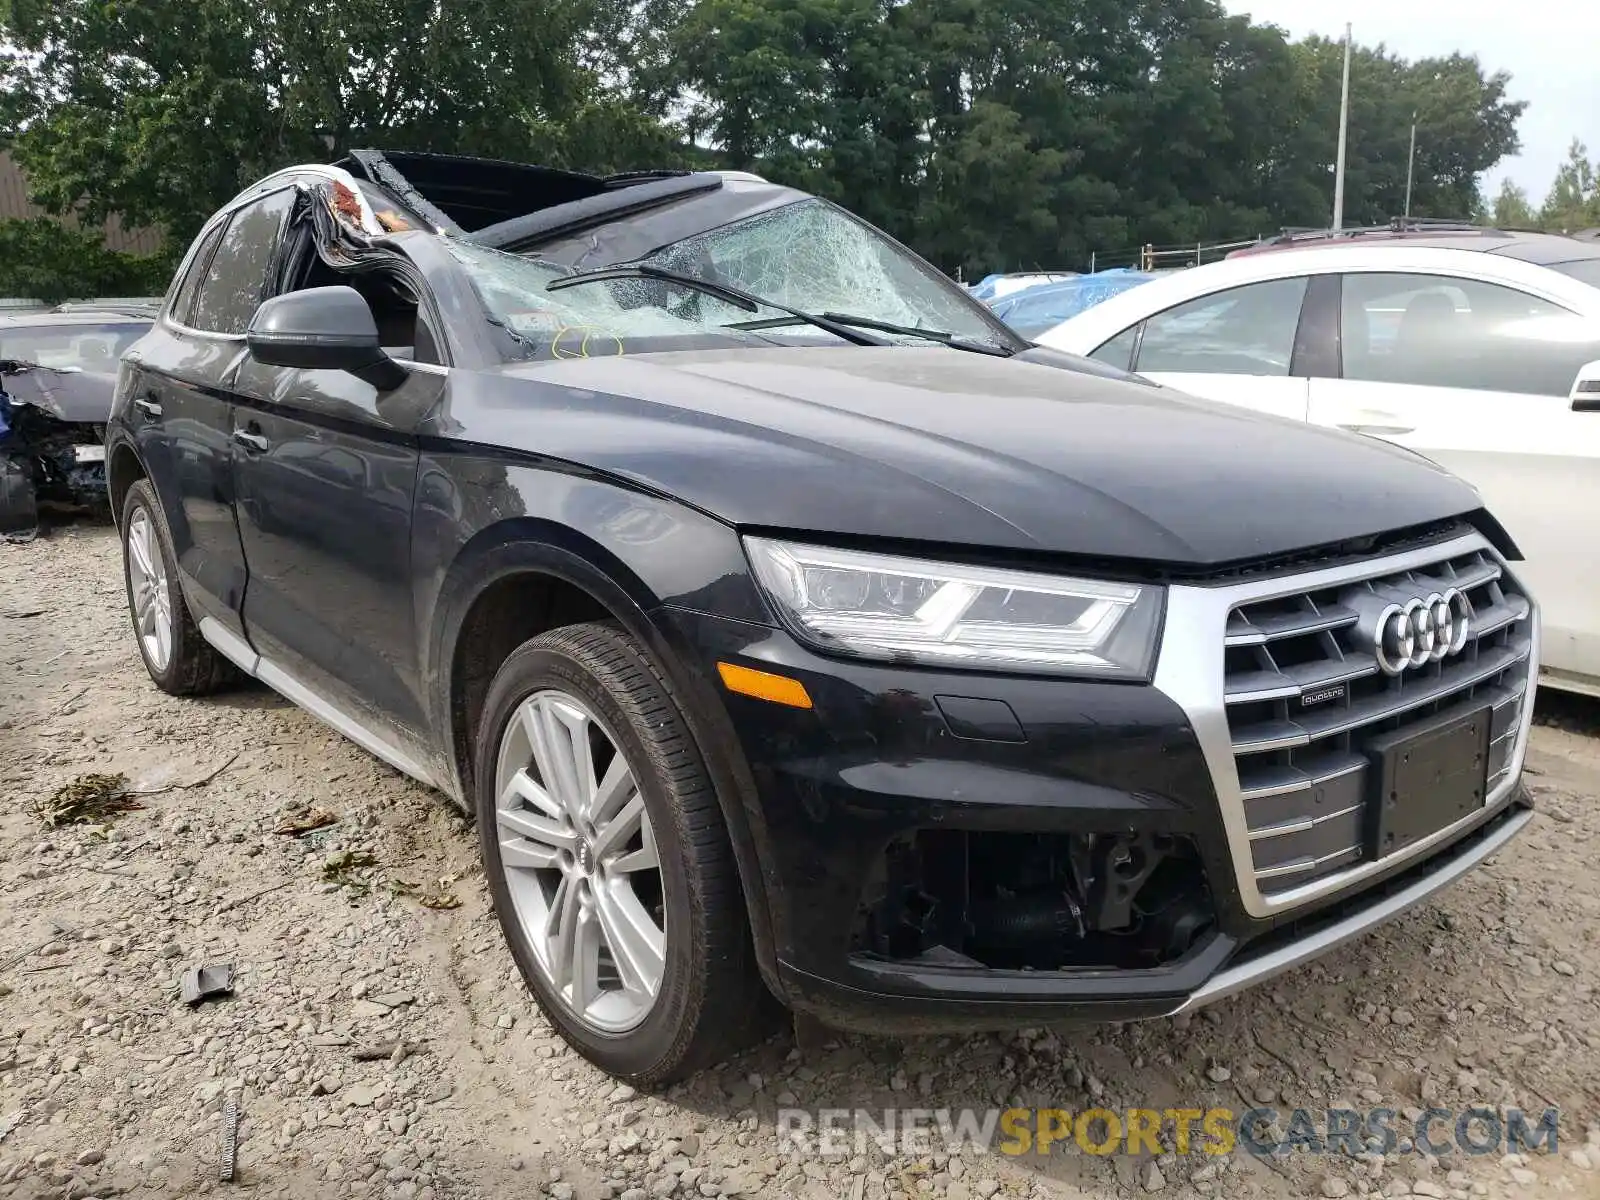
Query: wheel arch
{"points": [[523, 576], [124, 468]]}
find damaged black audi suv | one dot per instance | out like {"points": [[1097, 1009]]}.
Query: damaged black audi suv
{"points": [[792, 628]]}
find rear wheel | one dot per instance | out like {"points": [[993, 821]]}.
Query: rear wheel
{"points": [[179, 660], [608, 860]]}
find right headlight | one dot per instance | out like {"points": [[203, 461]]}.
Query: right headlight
{"points": [[910, 610]]}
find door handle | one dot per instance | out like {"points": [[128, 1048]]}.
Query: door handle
{"points": [[147, 405], [251, 441], [1374, 421], [1378, 429]]}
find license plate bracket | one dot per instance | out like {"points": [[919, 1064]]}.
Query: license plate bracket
{"points": [[1425, 778]]}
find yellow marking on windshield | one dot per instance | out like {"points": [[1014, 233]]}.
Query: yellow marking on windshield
{"points": [[583, 350]]}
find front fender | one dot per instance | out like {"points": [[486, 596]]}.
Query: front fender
{"points": [[634, 553]]}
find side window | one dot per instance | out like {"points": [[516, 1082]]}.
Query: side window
{"points": [[237, 276], [1435, 331], [1118, 352], [1243, 331], [183, 297]]}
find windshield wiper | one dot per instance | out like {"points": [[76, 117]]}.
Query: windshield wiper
{"points": [[953, 340], [728, 295]]}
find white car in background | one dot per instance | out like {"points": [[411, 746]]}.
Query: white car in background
{"points": [[1479, 349]]}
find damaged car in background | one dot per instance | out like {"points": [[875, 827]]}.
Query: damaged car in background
{"points": [[792, 626], [58, 372]]}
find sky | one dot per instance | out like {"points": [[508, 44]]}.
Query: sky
{"points": [[1551, 48]]}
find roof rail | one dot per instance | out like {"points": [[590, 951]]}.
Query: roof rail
{"points": [[1400, 224], [1394, 225], [1397, 226]]}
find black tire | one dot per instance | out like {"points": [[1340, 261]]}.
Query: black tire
{"points": [[712, 1002], [19, 508], [194, 667]]}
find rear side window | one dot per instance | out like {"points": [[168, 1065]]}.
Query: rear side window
{"points": [[183, 299], [1436, 331], [1118, 352], [236, 279], [1243, 331]]}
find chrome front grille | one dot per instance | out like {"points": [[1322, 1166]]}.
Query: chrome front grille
{"points": [[1292, 779], [1304, 692]]}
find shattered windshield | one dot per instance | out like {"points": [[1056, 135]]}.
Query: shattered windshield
{"points": [[808, 255], [815, 256], [623, 317]]}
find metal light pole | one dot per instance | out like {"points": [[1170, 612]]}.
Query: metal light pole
{"points": [[1411, 160], [1344, 130]]}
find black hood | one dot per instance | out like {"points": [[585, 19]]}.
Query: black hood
{"points": [[937, 445]]}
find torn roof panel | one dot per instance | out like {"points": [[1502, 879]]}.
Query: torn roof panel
{"points": [[518, 206], [562, 220], [471, 193]]}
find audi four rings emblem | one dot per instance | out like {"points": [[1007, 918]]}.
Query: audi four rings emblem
{"points": [[1422, 630]]}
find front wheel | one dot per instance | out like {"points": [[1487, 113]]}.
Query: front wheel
{"points": [[608, 860]]}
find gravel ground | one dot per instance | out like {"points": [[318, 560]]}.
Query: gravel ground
{"points": [[109, 1084]]}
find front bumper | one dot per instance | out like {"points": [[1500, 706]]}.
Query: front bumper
{"points": [[887, 752], [947, 1002]]}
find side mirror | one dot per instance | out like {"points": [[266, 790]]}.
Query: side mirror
{"points": [[1586, 388], [323, 329]]}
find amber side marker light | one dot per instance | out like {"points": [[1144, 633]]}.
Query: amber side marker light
{"points": [[763, 685]]}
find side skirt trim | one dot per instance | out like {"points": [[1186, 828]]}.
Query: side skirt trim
{"points": [[238, 651]]}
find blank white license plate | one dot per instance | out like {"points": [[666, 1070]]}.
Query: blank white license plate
{"points": [[89, 454]]}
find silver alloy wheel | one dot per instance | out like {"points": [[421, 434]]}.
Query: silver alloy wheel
{"points": [[580, 861], [147, 579]]}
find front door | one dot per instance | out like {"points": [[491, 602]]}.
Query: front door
{"points": [[325, 468], [1478, 377]]}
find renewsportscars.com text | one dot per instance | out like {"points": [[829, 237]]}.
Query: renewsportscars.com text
{"points": [[1216, 1131]]}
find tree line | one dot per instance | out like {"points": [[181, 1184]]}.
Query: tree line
{"points": [[1570, 206], [988, 134]]}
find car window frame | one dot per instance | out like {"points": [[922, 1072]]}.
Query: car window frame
{"points": [[195, 264], [221, 222], [429, 310], [1457, 280], [1306, 278]]}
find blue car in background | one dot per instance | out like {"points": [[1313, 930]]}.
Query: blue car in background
{"points": [[992, 288], [1043, 306]]}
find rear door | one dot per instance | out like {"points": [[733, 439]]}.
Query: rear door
{"points": [[1478, 376], [181, 413], [1236, 346]]}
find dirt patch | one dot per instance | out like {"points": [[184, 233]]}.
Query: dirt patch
{"points": [[378, 1044]]}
